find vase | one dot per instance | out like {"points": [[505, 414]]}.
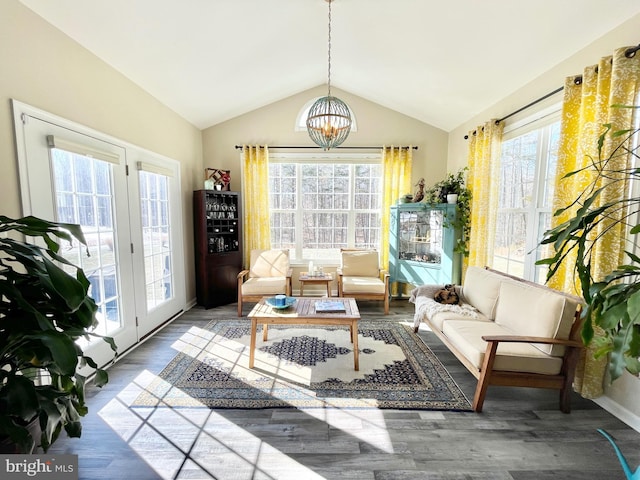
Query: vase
{"points": [[452, 198]]}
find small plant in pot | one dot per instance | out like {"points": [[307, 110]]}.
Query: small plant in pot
{"points": [[44, 310]]}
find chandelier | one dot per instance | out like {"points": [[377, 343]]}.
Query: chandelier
{"points": [[329, 119]]}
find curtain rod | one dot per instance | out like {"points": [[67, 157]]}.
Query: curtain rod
{"points": [[629, 52], [239, 147], [528, 105]]}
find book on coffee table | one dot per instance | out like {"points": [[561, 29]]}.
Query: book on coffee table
{"points": [[330, 306]]}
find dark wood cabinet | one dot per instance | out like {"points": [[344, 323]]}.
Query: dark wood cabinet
{"points": [[218, 246]]}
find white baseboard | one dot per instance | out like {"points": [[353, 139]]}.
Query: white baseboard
{"points": [[618, 411]]}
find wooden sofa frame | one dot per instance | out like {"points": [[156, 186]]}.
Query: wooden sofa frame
{"points": [[486, 375]]}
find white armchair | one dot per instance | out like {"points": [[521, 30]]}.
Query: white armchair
{"points": [[269, 274], [361, 277]]}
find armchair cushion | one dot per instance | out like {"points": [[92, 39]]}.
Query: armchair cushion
{"points": [[264, 286], [363, 285], [361, 263], [269, 263]]}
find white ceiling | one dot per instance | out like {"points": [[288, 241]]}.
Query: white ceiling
{"points": [[440, 62]]}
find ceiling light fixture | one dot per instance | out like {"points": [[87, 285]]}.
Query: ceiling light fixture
{"points": [[329, 119]]}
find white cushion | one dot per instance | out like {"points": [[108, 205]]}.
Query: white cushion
{"points": [[362, 285], [269, 263], [360, 263], [440, 318], [264, 286], [466, 336], [481, 289], [535, 311]]}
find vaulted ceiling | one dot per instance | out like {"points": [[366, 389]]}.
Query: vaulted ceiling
{"points": [[440, 62]]}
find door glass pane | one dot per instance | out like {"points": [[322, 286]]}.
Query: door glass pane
{"points": [[156, 235], [83, 189]]}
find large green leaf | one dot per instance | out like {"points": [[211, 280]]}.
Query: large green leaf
{"points": [[62, 349], [66, 286], [19, 398]]}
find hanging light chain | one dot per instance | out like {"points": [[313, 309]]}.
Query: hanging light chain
{"points": [[329, 55]]}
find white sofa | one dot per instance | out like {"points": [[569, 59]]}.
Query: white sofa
{"points": [[507, 331]]}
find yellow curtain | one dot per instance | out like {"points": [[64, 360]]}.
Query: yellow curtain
{"points": [[483, 180], [255, 195], [586, 108], [396, 174]]}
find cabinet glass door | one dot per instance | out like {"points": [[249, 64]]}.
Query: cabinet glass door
{"points": [[421, 236]]}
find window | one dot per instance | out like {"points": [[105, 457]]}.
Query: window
{"points": [[321, 205], [527, 171]]}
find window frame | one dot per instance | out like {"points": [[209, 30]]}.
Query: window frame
{"points": [[351, 159], [542, 121]]}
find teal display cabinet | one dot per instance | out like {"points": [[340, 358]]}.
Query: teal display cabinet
{"points": [[421, 244]]}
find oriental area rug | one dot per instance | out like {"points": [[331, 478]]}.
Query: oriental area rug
{"points": [[304, 366]]}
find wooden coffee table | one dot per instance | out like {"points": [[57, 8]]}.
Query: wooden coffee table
{"points": [[303, 312]]}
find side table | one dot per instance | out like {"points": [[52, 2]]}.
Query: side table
{"points": [[324, 278]]}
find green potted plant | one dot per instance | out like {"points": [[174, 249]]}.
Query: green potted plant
{"points": [[454, 183], [43, 311], [612, 302]]}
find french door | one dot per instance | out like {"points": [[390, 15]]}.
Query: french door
{"points": [[126, 201]]}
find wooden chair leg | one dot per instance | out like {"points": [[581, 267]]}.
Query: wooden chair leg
{"points": [[239, 304]]}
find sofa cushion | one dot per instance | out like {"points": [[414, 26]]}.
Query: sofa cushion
{"points": [[440, 318], [481, 289], [535, 311], [466, 337], [360, 263], [362, 285], [269, 263], [428, 310]]}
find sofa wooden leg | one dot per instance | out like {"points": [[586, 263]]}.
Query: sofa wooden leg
{"points": [[485, 376], [565, 399], [478, 399]]}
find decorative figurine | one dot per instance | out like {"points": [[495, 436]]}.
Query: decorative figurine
{"points": [[419, 195]]}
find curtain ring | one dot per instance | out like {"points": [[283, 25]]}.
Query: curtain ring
{"points": [[578, 80], [631, 52]]}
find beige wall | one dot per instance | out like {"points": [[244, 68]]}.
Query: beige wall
{"points": [[46, 69], [626, 390], [377, 125]]}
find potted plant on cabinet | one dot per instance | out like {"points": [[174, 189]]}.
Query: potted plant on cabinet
{"points": [[454, 183], [44, 310], [612, 302]]}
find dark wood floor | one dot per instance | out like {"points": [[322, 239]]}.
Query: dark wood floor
{"points": [[521, 435]]}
